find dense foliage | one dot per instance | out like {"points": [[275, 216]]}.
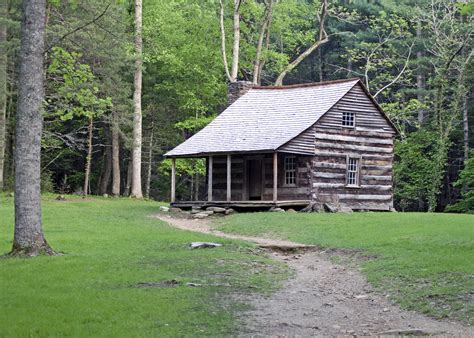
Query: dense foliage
{"points": [[416, 57]]}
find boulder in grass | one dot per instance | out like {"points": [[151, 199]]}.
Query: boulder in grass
{"points": [[229, 211], [174, 209], [164, 209], [346, 210], [200, 215], [61, 198], [277, 210], [204, 245], [217, 210], [330, 207]]}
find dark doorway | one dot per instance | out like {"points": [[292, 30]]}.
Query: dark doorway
{"points": [[254, 175]]}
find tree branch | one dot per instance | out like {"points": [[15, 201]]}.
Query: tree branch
{"points": [[323, 38], [79, 28], [399, 74]]}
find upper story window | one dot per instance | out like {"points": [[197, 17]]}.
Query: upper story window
{"points": [[352, 177], [348, 119], [290, 170]]}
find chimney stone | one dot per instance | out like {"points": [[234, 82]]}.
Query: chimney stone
{"points": [[237, 89]]}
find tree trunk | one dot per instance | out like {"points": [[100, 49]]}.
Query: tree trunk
{"points": [[465, 122], [3, 87], [128, 182], [263, 29], [137, 104], [115, 159], [323, 38], [28, 238], [150, 162], [90, 130], [236, 46], [104, 183], [420, 77]]}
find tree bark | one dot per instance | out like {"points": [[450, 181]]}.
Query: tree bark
{"points": [[236, 46], [115, 159], [150, 162], [90, 130], [263, 29], [128, 182], [137, 104], [29, 238], [323, 38], [420, 77], [223, 47], [104, 183], [3, 87]]}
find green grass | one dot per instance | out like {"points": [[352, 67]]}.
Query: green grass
{"points": [[424, 261], [110, 245]]}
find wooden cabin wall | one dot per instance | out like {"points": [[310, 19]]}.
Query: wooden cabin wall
{"points": [[219, 179], [302, 189], [371, 140]]}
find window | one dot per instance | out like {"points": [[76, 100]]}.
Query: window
{"points": [[290, 170], [353, 171], [348, 119]]}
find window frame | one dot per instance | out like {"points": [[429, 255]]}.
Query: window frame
{"points": [[353, 119], [294, 171], [357, 172]]}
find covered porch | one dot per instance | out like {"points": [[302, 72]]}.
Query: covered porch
{"points": [[251, 181]]}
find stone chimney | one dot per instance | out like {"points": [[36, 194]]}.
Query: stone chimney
{"points": [[237, 89]]}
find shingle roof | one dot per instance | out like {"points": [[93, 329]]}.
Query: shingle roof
{"points": [[265, 118]]}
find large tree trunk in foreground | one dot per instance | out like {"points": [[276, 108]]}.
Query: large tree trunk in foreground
{"points": [[137, 104], [3, 87], [29, 239], [115, 160]]}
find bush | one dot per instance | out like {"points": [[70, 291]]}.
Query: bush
{"points": [[466, 183]]}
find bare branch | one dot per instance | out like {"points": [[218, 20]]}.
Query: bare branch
{"points": [[79, 28], [323, 38], [399, 74]]}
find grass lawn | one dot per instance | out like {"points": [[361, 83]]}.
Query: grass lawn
{"points": [[110, 246], [423, 261]]}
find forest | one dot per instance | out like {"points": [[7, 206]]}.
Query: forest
{"points": [[124, 83]]}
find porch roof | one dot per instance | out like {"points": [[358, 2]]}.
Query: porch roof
{"points": [[264, 119]]}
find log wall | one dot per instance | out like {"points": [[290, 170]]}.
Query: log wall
{"points": [[371, 140]]}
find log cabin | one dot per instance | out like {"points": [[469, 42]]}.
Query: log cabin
{"points": [[294, 146]]}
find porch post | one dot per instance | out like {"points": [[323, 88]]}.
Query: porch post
{"points": [[173, 180], [209, 180], [229, 165], [275, 176]]}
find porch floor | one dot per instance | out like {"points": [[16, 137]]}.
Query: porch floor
{"points": [[240, 204]]}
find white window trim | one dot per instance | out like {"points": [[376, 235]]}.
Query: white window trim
{"points": [[293, 170], [342, 120], [358, 172]]}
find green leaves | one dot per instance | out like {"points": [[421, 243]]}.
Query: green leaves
{"points": [[74, 91]]}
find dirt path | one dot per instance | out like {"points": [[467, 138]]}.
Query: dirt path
{"points": [[324, 298]]}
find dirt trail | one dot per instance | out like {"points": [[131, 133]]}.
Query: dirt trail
{"points": [[324, 298]]}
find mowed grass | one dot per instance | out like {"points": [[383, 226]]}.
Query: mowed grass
{"points": [[110, 246], [423, 261]]}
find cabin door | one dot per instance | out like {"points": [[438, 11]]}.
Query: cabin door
{"points": [[254, 179]]}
